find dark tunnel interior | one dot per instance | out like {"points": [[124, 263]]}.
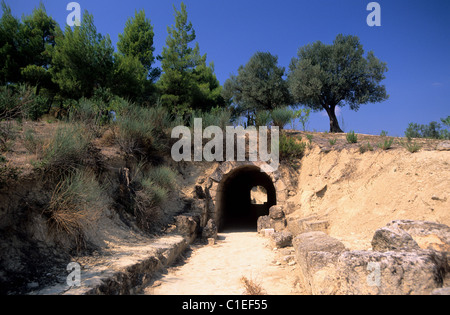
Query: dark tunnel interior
{"points": [[236, 209]]}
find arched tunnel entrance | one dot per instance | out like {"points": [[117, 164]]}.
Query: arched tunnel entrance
{"points": [[235, 207]]}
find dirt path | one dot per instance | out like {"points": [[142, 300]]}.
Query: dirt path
{"points": [[217, 269]]}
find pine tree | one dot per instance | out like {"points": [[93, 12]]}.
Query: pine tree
{"points": [[82, 60], [137, 41], [133, 64], [39, 31], [10, 43], [187, 83], [259, 85]]}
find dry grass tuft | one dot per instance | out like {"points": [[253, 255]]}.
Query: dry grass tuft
{"points": [[151, 190], [66, 151], [76, 205], [252, 287]]}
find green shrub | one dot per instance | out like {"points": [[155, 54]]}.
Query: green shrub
{"points": [[281, 117], [444, 134], [19, 102], [303, 116], [37, 108], [219, 117], [162, 119], [352, 137], [223, 117], [263, 118], [152, 189], [136, 132], [332, 141], [10, 104], [75, 206], [365, 148], [411, 146], [162, 176], [290, 148], [118, 104], [156, 195], [144, 132], [67, 150], [387, 144], [431, 131], [362, 149], [103, 95], [163, 123], [89, 114], [31, 143], [8, 135]]}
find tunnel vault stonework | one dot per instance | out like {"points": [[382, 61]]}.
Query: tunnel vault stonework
{"points": [[217, 185]]}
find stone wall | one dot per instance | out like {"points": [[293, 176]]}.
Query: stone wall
{"points": [[399, 264]]}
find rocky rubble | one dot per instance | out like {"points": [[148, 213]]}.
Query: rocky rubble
{"points": [[187, 225], [398, 264], [424, 234], [281, 239], [407, 257], [210, 230], [275, 220]]}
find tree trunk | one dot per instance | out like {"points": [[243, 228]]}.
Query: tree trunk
{"points": [[334, 124]]}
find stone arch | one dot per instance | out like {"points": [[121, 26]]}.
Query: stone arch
{"points": [[233, 180]]}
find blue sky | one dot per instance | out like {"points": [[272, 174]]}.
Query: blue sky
{"points": [[413, 39]]}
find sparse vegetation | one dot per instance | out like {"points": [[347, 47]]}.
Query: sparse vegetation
{"points": [[310, 139], [21, 102], [362, 149], [75, 205], [386, 144], [216, 117], [433, 130], [365, 148], [66, 150], [136, 134], [291, 147], [162, 176], [7, 135], [252, 287], [332, 141], [151, 190], [411, 146], [33, 144], [302, 115], [90, 114], [352, 137]]}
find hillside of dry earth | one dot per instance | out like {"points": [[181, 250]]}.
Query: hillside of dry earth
{"points": [[357, 193]]}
